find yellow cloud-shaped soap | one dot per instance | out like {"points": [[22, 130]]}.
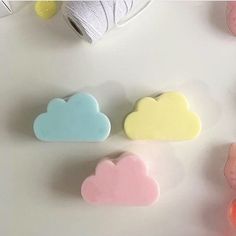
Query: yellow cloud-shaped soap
{"points": [[166, 117]]}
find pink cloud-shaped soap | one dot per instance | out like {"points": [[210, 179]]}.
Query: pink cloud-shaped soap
{"points": [[124, 181], [231, 16], [230, 167]]}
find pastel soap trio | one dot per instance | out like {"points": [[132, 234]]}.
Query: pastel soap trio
{"points": [[124, 181]]}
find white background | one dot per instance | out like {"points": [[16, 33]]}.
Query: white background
{"points": [[171, 46]]}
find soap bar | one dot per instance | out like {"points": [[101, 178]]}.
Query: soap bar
{"points": [[230, 167], [78, 119], [123, 181], [231, 16], [166, 117], [45, 9]]}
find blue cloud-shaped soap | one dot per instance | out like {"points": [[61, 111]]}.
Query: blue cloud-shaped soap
{"points": [[78, 119]]}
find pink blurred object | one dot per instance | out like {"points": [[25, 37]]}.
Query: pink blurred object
{"points": [[232, 213], [124, 181], [231, 16], [230, 167]]}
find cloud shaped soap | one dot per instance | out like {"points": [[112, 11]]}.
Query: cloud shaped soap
{"points": [[166, 117], [124, 181], [78, 119]]}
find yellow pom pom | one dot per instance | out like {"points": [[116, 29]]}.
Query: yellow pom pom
{"points": [[45, 9]]}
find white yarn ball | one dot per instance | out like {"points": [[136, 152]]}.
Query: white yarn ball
{"points": [[92, 19]]}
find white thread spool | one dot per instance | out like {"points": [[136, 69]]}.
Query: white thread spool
{"points": [[92, 19]]}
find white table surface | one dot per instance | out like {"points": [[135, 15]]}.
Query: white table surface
{"points": [[182, 46]]}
